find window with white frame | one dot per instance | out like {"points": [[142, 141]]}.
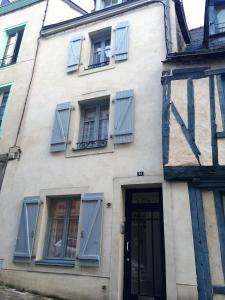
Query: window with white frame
{"points": [[94, 125], [101, 48], [61, 239], [4, 95], [14, 39]]}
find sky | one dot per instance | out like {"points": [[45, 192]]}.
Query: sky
{"points": [[194, 10]]}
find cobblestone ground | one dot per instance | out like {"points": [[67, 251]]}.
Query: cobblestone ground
{"points": [[12, 294]]}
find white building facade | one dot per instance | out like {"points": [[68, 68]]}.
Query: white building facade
{"points": [[85, 211]]}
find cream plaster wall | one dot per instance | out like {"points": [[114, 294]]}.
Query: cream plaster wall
{"points": [[59, 11], [42, 173], [213, 239]]}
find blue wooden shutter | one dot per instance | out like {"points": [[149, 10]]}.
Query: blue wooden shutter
{"points": [[91, 229], [124, 117], [27, 229], [74, 53], [122, 41], [61, 127]]}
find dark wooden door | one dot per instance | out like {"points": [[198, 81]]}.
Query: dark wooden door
{"points": [[144, 258]]}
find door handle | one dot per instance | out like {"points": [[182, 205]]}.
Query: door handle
{"points": [[128, 246]]}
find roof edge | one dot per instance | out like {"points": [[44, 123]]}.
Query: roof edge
{"points": [[13, 6], [181, 17], [75, 6]]}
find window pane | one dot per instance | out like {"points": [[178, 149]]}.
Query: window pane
{"points": [[107, 50], [10, 47], [220, 10], [73, 228], [89, 124], [108, 3], [3, 101], [103, 123], [97, 53], [56, 234]]}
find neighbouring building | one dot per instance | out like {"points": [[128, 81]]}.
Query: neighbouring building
{"points": [[110, 195], [194, 152], [19, 41]]}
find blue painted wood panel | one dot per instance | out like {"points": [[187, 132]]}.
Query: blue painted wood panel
{"points": [[205, 290], [91, 229], [121, 41]]}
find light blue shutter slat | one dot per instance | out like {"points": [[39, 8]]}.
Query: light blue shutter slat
{"points": [[27, 229], [74, 53], [91, 229], [122, 41], [124, 117], [61, 127]]}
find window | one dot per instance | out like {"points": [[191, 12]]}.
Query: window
{"points": [[63, 229], [101, 46], [14, 39], [108, 3], [4, 95], [220, 17], [94, 125]]}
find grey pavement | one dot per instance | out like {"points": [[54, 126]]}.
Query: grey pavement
{"points": [[12, 294]]}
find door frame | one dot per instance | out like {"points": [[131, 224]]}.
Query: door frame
{"points": [[128, 205]]}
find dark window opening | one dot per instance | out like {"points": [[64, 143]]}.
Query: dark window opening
{"points": [[4, 95], [101, 49], [12, 48]]}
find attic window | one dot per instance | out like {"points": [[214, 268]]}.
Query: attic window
{"points": [[220, 18]]}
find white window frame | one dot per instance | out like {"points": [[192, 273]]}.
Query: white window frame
{"points": [[97, 104]]}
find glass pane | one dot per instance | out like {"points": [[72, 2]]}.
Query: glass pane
{"points": [[73, 228], [56, 234], [220, 10], [3, 100], [146, 255], [107, 50], [108, 3], [134, 255], [145, 198], [11, 44], [97, 53], [103, 123], [89, 125]]}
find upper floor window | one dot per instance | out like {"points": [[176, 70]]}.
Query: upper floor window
{"points": [[94, 125], [4, 95], [220, 18], [101, 46], [11, 52]]}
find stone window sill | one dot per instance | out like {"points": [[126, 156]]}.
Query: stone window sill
{"points": [[56, 263], [96, 70]]}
